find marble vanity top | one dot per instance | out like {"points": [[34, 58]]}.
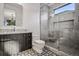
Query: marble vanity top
{"points": [[15, 32]]}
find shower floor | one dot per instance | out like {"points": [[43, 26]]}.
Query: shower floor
{"points": [[31, 52]]}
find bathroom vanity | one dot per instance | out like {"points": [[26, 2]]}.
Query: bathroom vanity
{"points": [[12, 40], [12, 43]]}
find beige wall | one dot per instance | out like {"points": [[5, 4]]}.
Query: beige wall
{"points": [[1, 14], [31, 18]]}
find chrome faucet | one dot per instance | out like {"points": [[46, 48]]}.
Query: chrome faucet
{"points": [[14, 29]]}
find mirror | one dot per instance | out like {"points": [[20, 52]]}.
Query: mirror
{"points": [[9, 17], [12, 14]]}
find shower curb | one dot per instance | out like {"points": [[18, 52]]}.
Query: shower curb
{"points": [[57, 52]]}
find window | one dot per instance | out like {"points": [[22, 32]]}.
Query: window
{"points": [[67, 7]]}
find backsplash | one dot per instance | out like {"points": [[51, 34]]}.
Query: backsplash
{"points": [[12, 29]]}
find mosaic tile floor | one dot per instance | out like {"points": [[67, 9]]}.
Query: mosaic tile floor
{"points": [[31, 52]]}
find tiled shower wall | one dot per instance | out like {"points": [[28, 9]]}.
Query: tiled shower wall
{"points": [[44, 21], [67, 40]]}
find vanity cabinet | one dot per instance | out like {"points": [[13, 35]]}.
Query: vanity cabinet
{"points": [[27, 41], [13, 43]]}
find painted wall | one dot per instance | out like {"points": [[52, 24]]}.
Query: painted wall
{"points": [[31, 18], [1, 14]]}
